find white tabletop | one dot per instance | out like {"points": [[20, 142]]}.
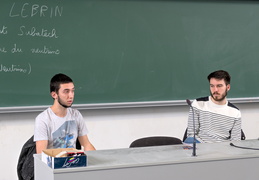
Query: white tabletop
{"points": [[157, 155]]}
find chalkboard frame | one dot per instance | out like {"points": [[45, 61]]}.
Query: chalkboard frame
{"points": [[23, 109]]}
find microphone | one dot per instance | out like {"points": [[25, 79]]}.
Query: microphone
{"points": [[194, 139], [231, 144]]}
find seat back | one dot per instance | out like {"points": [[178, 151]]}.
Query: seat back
{"points": [[155, 141], [243, 136], [185, 134]]}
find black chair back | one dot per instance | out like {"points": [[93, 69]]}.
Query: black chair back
{"points": [[155, 141]]}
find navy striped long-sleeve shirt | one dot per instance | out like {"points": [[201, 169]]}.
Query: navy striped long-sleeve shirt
{"points": [[214, 123]]}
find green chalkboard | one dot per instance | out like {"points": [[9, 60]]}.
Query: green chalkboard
{"points": [[126, 50]]}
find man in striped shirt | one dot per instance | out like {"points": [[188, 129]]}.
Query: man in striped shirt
{"points": [[216, 119]]}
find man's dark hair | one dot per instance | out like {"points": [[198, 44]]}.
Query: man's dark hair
{"points": [[57, 80], [220, 74]]}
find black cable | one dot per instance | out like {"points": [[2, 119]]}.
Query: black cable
{"points": [[231, 144]]}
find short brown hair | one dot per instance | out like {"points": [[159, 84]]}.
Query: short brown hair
{"points": [[220, 74]]}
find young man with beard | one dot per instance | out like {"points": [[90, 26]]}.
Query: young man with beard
{"points": [[216, 119], [59, 126]]}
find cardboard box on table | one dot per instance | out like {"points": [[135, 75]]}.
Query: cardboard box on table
{"points": [[48, 156]]}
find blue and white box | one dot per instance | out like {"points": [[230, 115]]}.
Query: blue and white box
{"points": [[49, 157]]}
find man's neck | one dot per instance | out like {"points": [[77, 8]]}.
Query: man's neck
{"points": [[222, 102], [59, 110]]}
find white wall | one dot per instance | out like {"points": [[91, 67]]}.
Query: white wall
{"points": [[110, 128]]}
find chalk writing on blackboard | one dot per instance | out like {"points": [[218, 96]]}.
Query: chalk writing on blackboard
{"points": [[34, 50], [45, 50], [27, 10], [2, 50], [34, 32], [3, 30], [15, 68]]}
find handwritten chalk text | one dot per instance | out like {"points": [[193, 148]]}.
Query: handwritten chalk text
{"points": [[3, 50], [37, 33], [16, 49], [27, 10], [45, 50], [14, 68], [3, 30]]}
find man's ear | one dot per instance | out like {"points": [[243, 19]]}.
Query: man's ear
{"points": [[228, 87], [53, 94]]}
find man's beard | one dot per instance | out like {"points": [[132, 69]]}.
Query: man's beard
{"points": [[62, 104], [220, 99]]}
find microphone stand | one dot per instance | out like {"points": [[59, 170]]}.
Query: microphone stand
{"points": [[194, 136]]}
